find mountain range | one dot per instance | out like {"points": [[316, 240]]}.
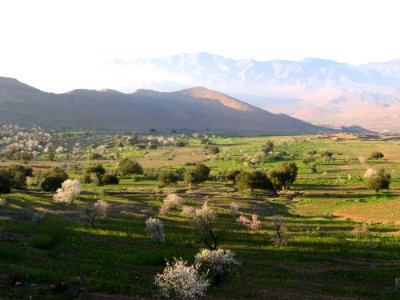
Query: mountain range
{"points": [[195, 108], [315, 90]]}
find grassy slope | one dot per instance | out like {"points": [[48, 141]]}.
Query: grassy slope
{"points": [[325, 258]]}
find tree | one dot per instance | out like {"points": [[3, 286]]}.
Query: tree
{"points": [[95, 168], [53, 179], [180, 144], [376, 155], [253, 180], [69, 191], [232, 174], [378, 180], [284, 175], [168, 178], [17, 175], [327, 155], [109, 179], [127, 167], [213, 149], [199, 174], [5, 182], [267, 147]]}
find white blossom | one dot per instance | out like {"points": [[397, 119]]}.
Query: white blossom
{"points": [[69, 191], [181, 281], [155, 228], [216, 263]]}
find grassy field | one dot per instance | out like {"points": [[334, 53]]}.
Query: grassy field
{"points": [[49, 251]]}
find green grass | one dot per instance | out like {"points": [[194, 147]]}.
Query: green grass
{"points": [[59, 256]]}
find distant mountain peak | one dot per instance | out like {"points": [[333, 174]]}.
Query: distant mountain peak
{"points": [[204, 93]]}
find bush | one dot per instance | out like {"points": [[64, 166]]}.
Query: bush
{"points": [[253, 180], [199, 174], [86, 178], [155, 228], [69, 191], [376, 155], [127, 167], [213, 149], [170, 202], [377, 180], [216, 263], [53, 180], [181, 281], [96, 168], [267, 147], [110, 179], [283, 175], [253, 224], [97, 211], [5, 183], [180, 144], [231, 175], [168, 178]]}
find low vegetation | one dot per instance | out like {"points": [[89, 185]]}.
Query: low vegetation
{"points": [[263, 218]]}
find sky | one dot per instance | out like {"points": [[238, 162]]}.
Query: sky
{"points": [[60, 45]]}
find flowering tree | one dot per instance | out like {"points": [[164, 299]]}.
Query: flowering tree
{"points": [[181, 281], [204, 218], [171, 201], [155, 228], [99, 210], [69, 191], [253, 224], [216, 263]]}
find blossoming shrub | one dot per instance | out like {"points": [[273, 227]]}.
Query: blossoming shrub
{"points": [[69, 191], [155, 228], [204, 218], [97, 211], [171, 201], [188, 211], [216, 263], [253, 224], [181, 281]]}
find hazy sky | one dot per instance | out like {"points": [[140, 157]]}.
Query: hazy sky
{"points": [[58, 45]]}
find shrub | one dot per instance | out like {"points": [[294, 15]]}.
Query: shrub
{"points": [[5, 183], [213, 149], [267, 147], [96, 168], [171, 201], [180, 144], [377, 180], [86, 178], [128, 167], [188, 211], [53, 180], [110, 179], [168, 178], [231, 175], [199, 174], [155, 228], [181, 281], [279, 238], [97, 211], [2, 201], [253, 180], [216, 263], [17, 175], [376, 155], [69, 191], [204, 218], [253, 224], [326, 155], [283, 175], [313, 168]]}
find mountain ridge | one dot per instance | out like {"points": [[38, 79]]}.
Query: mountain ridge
{"points": [[196, 108]]}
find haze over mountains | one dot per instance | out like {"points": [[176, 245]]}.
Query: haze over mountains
{"points": [[315, 90], [195, 109]]}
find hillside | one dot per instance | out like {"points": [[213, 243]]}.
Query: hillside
{"points": [[195, 108]]}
